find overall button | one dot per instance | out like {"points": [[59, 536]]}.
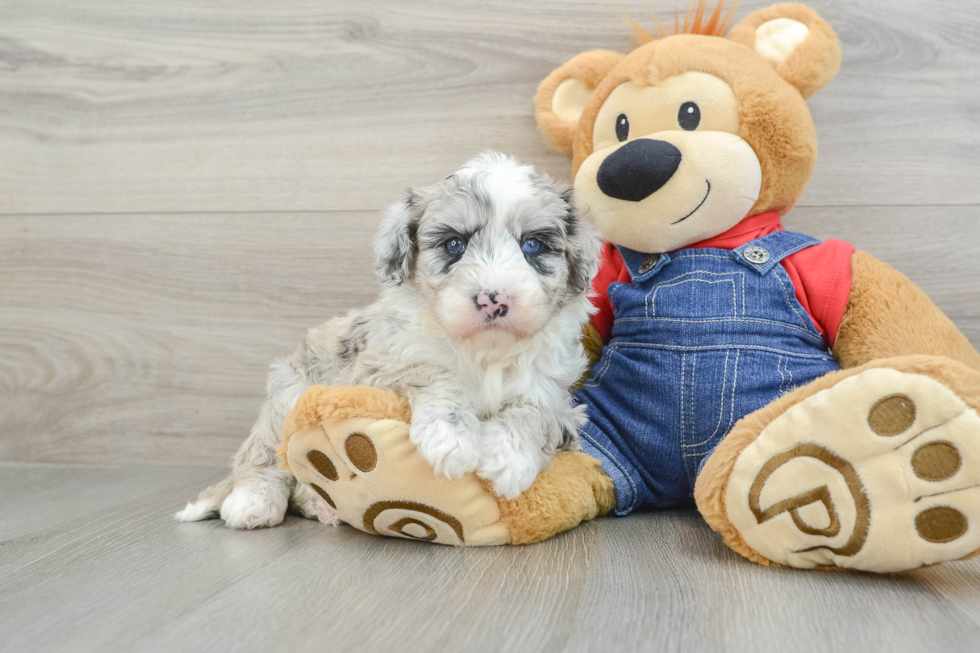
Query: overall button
{"points": [[757, 255], [648, 264]]}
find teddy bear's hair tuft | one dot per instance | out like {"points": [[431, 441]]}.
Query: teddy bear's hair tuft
{"points": [[696, 21]]}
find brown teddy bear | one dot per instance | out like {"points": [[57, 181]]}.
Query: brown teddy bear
{"points": [[817, 406]]}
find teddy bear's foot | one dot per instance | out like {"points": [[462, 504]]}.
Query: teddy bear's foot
{"points": [[351, 446], [874, 469]]}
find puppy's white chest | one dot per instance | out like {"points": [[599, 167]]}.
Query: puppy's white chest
{"points": [[492, 392]]}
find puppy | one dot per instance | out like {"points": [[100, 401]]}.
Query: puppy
{"points": [[485, 281]]}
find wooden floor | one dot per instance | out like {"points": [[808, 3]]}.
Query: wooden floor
{"points": [[93, 562], [186, 186]]}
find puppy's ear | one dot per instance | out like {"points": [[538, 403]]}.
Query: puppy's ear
{"points": [[583, 247], [563, 94], [394, 246], [800, 44]]}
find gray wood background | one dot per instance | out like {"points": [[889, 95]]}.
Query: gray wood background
{"points": [[186, 186]]}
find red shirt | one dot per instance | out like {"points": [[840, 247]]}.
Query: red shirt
{"points": [[821, 274]]}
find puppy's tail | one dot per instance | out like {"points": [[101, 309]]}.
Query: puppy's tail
{"points": [[208, 503]]}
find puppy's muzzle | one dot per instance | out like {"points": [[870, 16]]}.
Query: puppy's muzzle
{"points": [[492, 303], [638, 169]]}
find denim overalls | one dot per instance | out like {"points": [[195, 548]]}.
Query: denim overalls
{"points": [[702, 337]]}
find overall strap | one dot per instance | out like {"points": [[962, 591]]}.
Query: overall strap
{"points": [[765, 253], [642, 266]]}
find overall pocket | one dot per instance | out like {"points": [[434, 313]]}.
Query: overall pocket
{"points": [[698, 294]]}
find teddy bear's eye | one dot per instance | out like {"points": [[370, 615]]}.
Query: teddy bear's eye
{"points": [[622, 127], [689, 116]]}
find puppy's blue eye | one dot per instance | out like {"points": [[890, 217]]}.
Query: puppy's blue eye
{"points": [[455, 246], [531, 246]]}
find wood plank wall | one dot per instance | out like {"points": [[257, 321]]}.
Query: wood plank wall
{"points": [[186, 186]]}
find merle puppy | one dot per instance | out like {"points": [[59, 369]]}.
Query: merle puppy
{"points": [[485, 282]]}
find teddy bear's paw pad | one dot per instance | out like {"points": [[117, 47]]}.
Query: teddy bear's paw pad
{"points": [[413, 520], [879, 473], [406, 519], [332, 465], [367, 473]]}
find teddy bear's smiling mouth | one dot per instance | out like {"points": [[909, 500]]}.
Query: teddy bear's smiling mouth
{"points": [[703, 199]]}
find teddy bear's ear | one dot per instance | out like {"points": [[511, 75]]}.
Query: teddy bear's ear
{"points": [[563, 94], [793, 38]]}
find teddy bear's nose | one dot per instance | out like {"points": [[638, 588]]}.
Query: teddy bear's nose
{"points": [[638, 169]]}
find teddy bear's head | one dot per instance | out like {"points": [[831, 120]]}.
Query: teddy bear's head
{"points": [[691, 133]]}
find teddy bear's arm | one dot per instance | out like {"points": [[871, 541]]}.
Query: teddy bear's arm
{"points": [[887, 316]]}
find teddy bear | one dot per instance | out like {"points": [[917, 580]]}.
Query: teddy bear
{"points": [[810, 401]]}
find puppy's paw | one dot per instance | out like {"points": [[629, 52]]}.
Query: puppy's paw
{"points": [[255, 506], [451, 446], [510, 474], [509, 469], [303, 501], [326, 514]]}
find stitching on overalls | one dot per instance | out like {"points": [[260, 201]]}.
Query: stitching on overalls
{"points": [[741, 280], [731, 416], [782, 377], [692, 393], [687, 274], [808, 334], [805, 332], [597, 379], [721, 406], [615, 462], [683, 392], [652, 297], [678, 258], [658, 345], [790, 303], [694, 382], [614, 288]]}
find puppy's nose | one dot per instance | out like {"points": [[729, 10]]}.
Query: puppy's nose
{"points": [[493, 303], [638, 169]]}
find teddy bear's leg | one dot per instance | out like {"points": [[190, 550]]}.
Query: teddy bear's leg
{"points": [[572, 490], [875, 468]]}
